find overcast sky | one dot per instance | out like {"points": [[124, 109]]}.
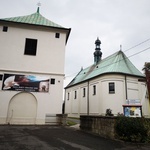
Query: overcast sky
{"points": [[115, 22]]}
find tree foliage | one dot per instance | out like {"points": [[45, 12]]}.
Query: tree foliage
{"points": [[147, 66]]}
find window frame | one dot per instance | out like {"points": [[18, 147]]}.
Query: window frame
{"points": [[68, 96], [94, 89], [75, 94], [30, 47], [5, 28], [1, 77], [84, 92], [111, 87], [57, 35], [52, 81]]}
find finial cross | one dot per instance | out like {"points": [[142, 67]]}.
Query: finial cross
{"points": [[38, 4]]}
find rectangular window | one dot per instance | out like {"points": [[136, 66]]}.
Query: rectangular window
{"points": [[84, 92], [57, 35], [1, 76], [68, 96], [52, 81], [94, 90], [5, 28], [75, 94], [30, 47], [111, 87]]}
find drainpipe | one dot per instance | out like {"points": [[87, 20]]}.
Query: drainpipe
{"points": [[126, 87], [63, 106], [88, 98]]}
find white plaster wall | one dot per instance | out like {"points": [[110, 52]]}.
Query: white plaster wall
{"points": [[94, 99], [83, 100], [22, 109], [68, 101], [47, 103], [75, 102], [144, 99], [76, 106], [103, 99], [50, 50], [49, 61], [113, 101], [132, 88], [4, 102]]}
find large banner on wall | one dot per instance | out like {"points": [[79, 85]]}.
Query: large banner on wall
{"points": [[29, 83]]}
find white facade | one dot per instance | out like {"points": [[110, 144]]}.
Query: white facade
{"points": [[50, 50], [126, 87], [27, 107]]}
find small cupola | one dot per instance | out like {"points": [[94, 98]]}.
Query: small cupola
{"points": [[97, 53]]}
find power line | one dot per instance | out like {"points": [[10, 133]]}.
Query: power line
{"points": [[124, 51], [139, 52], [137, 45]]}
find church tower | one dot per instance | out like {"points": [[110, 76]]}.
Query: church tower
{"points": [[97, 53]]}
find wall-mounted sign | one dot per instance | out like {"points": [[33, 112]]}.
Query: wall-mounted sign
{"points": [[132, 110], [27, 83], [133, 102]]}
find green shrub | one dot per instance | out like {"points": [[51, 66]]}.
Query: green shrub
{"points": [[109, 112], [133, 129]]}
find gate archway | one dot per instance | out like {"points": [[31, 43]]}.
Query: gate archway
{"points": [[22, 109]]}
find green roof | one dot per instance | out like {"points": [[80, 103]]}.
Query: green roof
{"points": [[33, 19], [115, 63]]}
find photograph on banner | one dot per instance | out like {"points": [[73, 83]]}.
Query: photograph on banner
{"points": [[28, 83]]}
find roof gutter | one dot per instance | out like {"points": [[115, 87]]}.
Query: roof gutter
{"points": [[69, 30]]}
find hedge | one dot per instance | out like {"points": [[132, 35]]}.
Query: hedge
{"points": [[133, 129]]}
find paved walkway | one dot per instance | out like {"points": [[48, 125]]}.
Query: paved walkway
{"points": [[57, 138]]}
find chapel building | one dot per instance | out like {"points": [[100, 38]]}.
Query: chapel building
{"points": [[110, 83]]}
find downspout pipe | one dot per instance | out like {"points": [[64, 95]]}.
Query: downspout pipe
{"points": [[126, 89], [88, 98]]}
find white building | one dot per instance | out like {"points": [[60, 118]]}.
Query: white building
{"points": [[109, 83], [32, 54]]}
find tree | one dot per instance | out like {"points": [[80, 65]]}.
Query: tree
{"points": [[147, 73], [147, 66]]}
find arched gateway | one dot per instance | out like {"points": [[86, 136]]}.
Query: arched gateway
{"points": [[22, 109]]}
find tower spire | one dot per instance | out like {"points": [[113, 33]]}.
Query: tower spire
{"points": [[97, 53], [120, 47], [38, 9]]}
